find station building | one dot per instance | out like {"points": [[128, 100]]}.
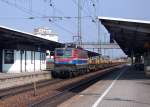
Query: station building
{"points": [[23, 52]]}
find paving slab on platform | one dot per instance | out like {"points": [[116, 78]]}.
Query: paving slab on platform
{"points": [[131, 89]]}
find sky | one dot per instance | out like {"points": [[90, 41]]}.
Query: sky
{"points": [[25, 15]]}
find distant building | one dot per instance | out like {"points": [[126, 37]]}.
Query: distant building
{"points": [[46, 33]]}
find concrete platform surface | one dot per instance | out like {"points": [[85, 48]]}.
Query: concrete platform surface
{"points": [[8, 80], [13, 75], [124, 88]]}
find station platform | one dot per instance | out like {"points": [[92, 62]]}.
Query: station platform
{"points": [[124, 88], [8, 80]]}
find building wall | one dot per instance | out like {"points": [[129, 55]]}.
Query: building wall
{"points": [[44, 32], [48, 37], [27, 65]]}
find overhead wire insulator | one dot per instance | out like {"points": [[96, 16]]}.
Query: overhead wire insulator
{"points": [[50, 20], [31, 17], [51, 4], [93, 21], [93, 5]]}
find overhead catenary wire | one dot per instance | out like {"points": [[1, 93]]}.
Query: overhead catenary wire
{"points": [[32, 12], [46, 17], [56, 10], [95, 6], [81, 7], [62, 18], [74, 17], [39, 15], [60, 27], [29, 10], [16, 6]]}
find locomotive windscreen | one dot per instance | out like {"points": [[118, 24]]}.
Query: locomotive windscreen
{"points": [[64, 52], [68, 52], [59, 52]]}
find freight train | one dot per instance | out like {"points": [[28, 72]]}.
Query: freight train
{"points": [[71, 62]]}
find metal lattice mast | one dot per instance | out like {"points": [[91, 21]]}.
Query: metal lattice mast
{"points": [[79, 40], [99, 28], [99, 39]]}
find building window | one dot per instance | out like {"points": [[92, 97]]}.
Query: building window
{"points": [[32, 55], [9, 56], [43, 57]]}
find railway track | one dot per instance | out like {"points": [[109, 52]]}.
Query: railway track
{"points": [[20, 89], [68, 91]]}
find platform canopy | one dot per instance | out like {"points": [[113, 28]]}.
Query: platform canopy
{"points": [[11, 38], [92, 54], [133, 36]]}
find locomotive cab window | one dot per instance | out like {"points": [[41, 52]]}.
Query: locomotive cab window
{"points": [[59, 52], [68, 52], [9, 57]]}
